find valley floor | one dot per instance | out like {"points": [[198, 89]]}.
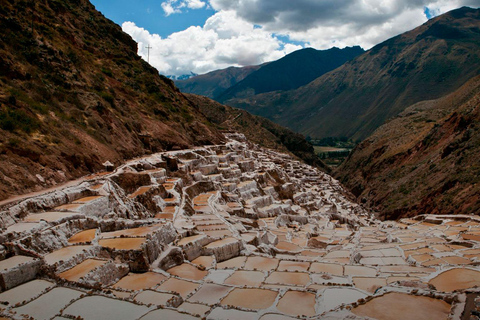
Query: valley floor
{"points": [[230, 231]]}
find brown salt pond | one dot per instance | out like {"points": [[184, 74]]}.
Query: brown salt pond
{"points": [[187, 271], [288, 278], [255, 299], [139, 191], [69, 207], [87, 199], [359, 271], [456, 279], [52, 216], [288, 246], [234, 263], [189, 240], [139, 281], [218, 233], [297, 303], [210, 294], [123, 243], [261, 263], [399, 306], [293, 266], [206, 261], [153, 297], [369, 284], [23, 227], [247, 278], [65, 253], [83, 236], [194, 308], [80, 270], [182, 287], [133, 232], [335, 269]]}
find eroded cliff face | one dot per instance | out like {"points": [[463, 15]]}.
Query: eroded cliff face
{"points": [[225, 231]]}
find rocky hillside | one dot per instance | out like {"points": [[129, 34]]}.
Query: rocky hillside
{"points": [[290, 72], [214, 83], [424, 161], [74, 94], [423, 64]]}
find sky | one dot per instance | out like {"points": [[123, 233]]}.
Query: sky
{"points": [[199, 36]]}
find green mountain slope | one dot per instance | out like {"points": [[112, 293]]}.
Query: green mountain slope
{"points": [[290, 72], [355, 99], [424, 161], [214, 83]]}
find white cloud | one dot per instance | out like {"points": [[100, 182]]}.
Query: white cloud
{"points": [[176, 6], [224, 40], [328, 23], [246, 32]]}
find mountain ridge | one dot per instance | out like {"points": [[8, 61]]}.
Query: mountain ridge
{"points": [[424, 161], [356, 98], [290, 72], [74, 94]]}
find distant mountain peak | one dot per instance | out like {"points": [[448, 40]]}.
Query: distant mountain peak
{"points": [[182, 77]]}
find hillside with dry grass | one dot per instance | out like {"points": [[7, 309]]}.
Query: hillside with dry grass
{"points": [[74, 93], [424, 161]]}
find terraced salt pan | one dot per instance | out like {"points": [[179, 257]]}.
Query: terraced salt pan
{"points": [[14, 261], [23, 227], [83, 236], [139, 281], [182, 287], [81, 270], [210, 294], [288, 278], [99, 307], [234, 263], [261, 263], [369, 284], [456, 279], [88, 199], [334, 297], [123, 243], [218, 276], [297, 303], [231, 314], [256, 299], [187, 271], [167, 314], [335, 269], [274, 316], [25, 292], [206, 261], [56, 299], [153, 297], [247, 278], [56, 217], [66, 253], [194, 308], [399, 306], [133, 232]]}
